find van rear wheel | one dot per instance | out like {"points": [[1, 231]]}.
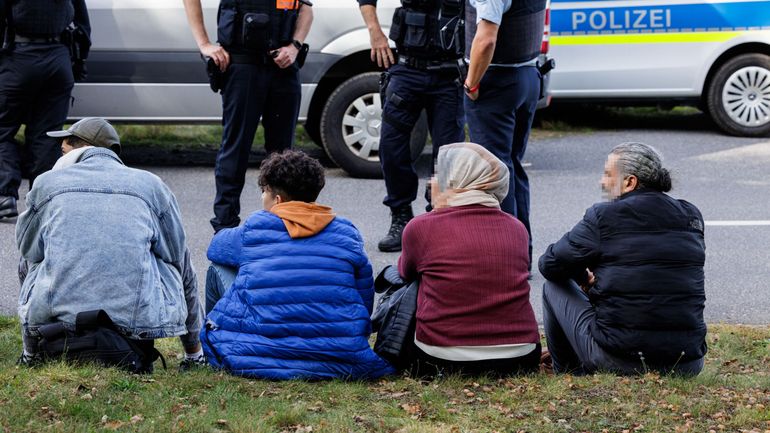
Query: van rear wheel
{"points": [[350, 127], [739, 96]]}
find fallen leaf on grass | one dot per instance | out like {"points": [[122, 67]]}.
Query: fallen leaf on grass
{"points": [[411, 409], [113, 425]]}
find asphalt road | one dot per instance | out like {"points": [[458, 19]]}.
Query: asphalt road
{"points": [[728, 178]]}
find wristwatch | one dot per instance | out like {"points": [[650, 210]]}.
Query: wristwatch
{"points": [[297, 44], [471, 89]]}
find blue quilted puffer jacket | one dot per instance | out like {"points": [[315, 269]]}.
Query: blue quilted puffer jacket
{"points": [[298, 309]]}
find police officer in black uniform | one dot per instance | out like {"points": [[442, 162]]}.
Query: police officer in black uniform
{"points": [[429, 41], [36, 80], [259, 41]]}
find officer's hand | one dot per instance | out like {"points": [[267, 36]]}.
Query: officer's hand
{"points": [[472, 95], [216, 52], [285, 56], [381, 52]]}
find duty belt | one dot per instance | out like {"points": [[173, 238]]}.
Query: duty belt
{"points": [[250, 59], [426, 65], [25, 40]]}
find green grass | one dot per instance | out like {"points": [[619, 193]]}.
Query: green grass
{"points": [[561, 119], [187, 137], [732, 394], [556, 121]]}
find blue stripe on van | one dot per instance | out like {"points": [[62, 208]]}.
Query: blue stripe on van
{"points": [[661, 18]]}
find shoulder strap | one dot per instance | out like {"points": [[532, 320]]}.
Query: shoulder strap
{"points": [[52, 331], [388, 279], [93, 319]]}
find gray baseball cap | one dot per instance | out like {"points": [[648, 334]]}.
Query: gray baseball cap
{"points": [[93, 130]]}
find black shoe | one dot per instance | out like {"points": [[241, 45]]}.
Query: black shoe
{"points": [[8, 207], [399, 217], [192, 364], [29, 361]]}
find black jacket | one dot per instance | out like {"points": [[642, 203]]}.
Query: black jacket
{"points": [[647, 252]]}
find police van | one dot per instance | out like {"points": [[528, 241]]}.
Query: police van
{"points": [[144, 67], [713, 54]]}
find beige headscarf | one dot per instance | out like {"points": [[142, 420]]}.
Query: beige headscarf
{"points": [[466, 174]]}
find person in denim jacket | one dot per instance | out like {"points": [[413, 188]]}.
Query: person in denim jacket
{"points": [[99, 235]]}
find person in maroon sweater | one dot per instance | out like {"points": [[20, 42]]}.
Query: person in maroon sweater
{"points": [[473, 310]]}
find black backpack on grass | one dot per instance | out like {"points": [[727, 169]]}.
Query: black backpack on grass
{"points": [[97, 340]]}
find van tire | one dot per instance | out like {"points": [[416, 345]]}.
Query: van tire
{"points": [[737, 117], [362, 88]]}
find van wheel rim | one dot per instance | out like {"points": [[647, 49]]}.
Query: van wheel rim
{"points": [[746, 96], [361, 125]]}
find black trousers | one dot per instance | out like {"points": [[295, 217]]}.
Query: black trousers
{"points": [[35, 87], [567, 318], [500, 120], [424, 365], [251, 93], [409, 92]]}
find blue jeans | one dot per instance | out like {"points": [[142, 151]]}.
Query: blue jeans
{"points": [[218, 281], [567, 318], [409, 92], [251, 93], [500, 120]]}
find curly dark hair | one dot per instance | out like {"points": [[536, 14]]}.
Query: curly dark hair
{"points": [[293, 175]]}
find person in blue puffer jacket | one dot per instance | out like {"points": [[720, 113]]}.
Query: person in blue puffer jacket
{"points": [[289, 293]]}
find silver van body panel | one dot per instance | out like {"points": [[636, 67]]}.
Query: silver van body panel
{"points": [[121, 90]]}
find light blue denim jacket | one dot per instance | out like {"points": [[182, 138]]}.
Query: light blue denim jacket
{"points": [[100, 235]]}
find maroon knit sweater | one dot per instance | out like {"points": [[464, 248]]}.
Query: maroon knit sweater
{"points": [[472, 263]]}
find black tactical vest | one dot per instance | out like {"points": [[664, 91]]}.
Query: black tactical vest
{"points": [[42, 19], [429, 29], [520, 34], [256, 26]]}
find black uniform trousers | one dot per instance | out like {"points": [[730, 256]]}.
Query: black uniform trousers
{"points": [[251, 92], [409, 92], [35, 86]]}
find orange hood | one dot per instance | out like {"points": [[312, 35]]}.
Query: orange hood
{"points": [[303, 219]]}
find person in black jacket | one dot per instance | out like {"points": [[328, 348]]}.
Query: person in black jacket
{"points": [[625, 286]]}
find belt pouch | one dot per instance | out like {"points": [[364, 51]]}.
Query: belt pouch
{"points": [[416, 30], [226, 26], [397, 27], [256, 28]]}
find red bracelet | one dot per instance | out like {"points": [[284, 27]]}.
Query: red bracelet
{"points": [[473, 89]]}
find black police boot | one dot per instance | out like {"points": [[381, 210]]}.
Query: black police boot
{"points": [[8, 207], [399, 216]]}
